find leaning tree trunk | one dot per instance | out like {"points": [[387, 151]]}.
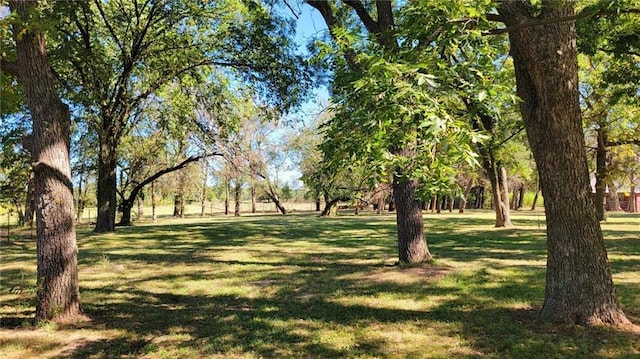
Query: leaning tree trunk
{"points": [[579, 287], [58, 294], [412, 246]]}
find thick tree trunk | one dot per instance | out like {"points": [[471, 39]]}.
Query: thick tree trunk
{"points": [[614, 200], [579, 288], [107, 162], [58, 294], [632, 199], [412, 246], [328, 205]]}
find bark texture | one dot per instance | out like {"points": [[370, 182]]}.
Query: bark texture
{"points": [[107, 162], [579, 288], [412, 246], [58, 295]]}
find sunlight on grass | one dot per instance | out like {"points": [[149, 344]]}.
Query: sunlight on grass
{"points": [[306, 287]]}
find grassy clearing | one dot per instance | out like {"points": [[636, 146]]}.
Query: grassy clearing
{"points": [[306, 287]]}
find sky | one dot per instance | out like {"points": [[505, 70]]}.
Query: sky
{"points": [[309, 24]]}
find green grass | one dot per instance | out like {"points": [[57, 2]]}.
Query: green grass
{"points": [[306, 287]]}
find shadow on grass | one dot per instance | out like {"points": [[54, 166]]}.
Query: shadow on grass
{"points": [[318, 288]]}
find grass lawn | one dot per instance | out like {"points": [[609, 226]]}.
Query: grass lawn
{"points": [[300, 286]]}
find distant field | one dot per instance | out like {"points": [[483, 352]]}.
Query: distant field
{"points": [[300, 286]]}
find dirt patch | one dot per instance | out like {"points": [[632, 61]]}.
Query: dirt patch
{"points": [[399, 274]]}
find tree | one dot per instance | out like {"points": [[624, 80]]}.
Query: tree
{"points": [[579, 288], [15, 171], [391, 110], [58, 294], [120, 54]]}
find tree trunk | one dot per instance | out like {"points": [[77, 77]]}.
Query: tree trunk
{"points": [[328, 205], [318, 202], [503, 184], [380, 204], [140, 206], [107, 162], [465, 195], [535, 200], [452, 200], [601, 175], [227, 184], [632, 199], [238, 192], [412, 246], [434, 203], [154, 203], [274, 197], [203, 197], [521, 192], [499, 190], [614, 200], [58, 294], [514, 199], [579, 287], [30, 203], [19, 211], [392, 204], [253, 198], [80, 201]]}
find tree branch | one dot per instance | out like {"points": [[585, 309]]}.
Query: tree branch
{"points": [[181, 165], [622, 142], [9, 67], [555, 20], [364, 16], [110, 28], [332, 23]]}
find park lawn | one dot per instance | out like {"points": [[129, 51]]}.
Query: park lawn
{"points": [[300, 286]]}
